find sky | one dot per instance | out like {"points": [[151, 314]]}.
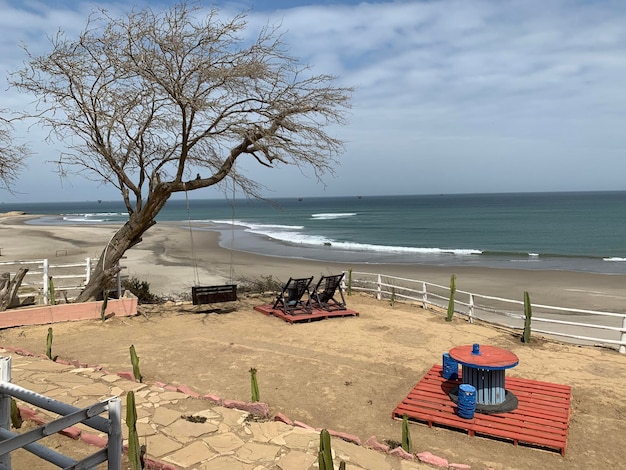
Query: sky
{"points": [[451, 96]]}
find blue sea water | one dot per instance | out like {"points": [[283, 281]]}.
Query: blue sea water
{"points": [[579, 231]]}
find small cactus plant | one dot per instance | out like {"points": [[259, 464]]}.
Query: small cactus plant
{"points": [[406, 435], [51, 293], [527, 318], [349, 286], [134, 449], [254, 385], [16, 417], [49, 344], [134, 359], [451, 300], [325, 456]]}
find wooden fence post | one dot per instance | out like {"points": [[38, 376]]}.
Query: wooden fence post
{"points": [[470, 312], [88, 270], [622, 347], [379, 293], [424, 296], [5, 405]]}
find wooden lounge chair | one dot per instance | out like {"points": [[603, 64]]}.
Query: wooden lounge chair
{"points": [[290, 299], [323, 296]]}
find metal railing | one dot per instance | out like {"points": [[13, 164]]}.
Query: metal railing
{"points": [[70, 415], [576, 325]]}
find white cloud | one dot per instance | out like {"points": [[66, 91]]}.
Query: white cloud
{"points": [[485, 87]]}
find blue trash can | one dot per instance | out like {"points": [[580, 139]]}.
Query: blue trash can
{"points": [[450, 368], [466, 404]]}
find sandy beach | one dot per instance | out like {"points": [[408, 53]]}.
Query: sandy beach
{"points": [[346, 374], [168, 246]]}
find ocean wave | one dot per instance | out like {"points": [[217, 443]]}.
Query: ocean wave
{"points": [[83, 219], [332, 216], [614, 258], [403, 249], [253, 226], [94, 217], [293, 234]]}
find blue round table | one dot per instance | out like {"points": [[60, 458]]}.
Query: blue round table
{"points": [[483, 367]]}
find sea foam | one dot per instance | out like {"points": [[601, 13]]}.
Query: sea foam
{"points": [[293, 234]]}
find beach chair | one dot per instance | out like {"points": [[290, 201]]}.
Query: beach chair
{"points": [[323, 296], [290, 299]]}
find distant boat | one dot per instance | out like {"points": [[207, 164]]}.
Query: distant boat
{"points": [[300, 199], [359, 197], [99, 201]]}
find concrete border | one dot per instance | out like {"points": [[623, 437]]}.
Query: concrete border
{"points": [[45, 314]]}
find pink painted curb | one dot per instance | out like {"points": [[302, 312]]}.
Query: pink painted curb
{"points": [[47, 314]]}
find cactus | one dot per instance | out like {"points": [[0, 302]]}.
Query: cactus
{"points": [[451, 300], [349, 287], [254, 385], [51, 293], [134, 450], [49, 344], [392, 300], [16, 417], [527, 318], [406, 435], [134, 359], [103, 309], [325, 456]]}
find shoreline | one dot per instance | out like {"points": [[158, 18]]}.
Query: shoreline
{"points": [[168, 247]]}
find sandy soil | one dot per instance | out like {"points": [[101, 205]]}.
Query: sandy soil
{"points": [[346, 374], [349, 374]]}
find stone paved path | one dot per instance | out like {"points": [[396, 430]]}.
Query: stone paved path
{"points": [[227, 439]]}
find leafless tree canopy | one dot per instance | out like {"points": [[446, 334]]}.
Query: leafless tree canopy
{"points": [[156, 98], [12, 156], [161, 102]]}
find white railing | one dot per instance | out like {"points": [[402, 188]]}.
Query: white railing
{"points": [[68, 279], [576, 325], [9, 441]]}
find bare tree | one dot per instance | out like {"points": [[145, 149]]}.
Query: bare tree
{"points": [[159, 103], [12, 156]]}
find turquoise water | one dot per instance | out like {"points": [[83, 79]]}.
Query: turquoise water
{"points": [[583, 231]]}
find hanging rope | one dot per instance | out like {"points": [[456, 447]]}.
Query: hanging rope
{"points": [[232, 235], [193, 250]]}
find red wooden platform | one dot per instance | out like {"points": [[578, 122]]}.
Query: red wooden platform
{"points": [[301, 317], [541, 419]]}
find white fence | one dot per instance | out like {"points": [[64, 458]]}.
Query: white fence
{"points": [[68, 279], [573, 325], [9, 441]]}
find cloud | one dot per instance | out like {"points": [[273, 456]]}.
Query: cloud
{"points": [[450, 95]]}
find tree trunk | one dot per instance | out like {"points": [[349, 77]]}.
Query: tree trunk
{"points": [[8, 289], [103, 275]]}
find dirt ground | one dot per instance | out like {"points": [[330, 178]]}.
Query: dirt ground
{"points": [[348, 374]]}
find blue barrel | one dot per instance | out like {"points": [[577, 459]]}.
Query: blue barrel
{"points": [[466, 404], [450, 368]]}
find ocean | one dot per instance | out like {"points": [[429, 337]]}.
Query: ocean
{"points": [[577, 231]]}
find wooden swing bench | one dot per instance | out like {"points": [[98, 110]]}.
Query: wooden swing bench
{"points": [[213, 294]]}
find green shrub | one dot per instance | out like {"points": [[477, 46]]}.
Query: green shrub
{"points": [[141, 289], [259, 285]]}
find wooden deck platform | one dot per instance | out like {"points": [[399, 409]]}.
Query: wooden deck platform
{"points": [[302, 317], [541, 419]]}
